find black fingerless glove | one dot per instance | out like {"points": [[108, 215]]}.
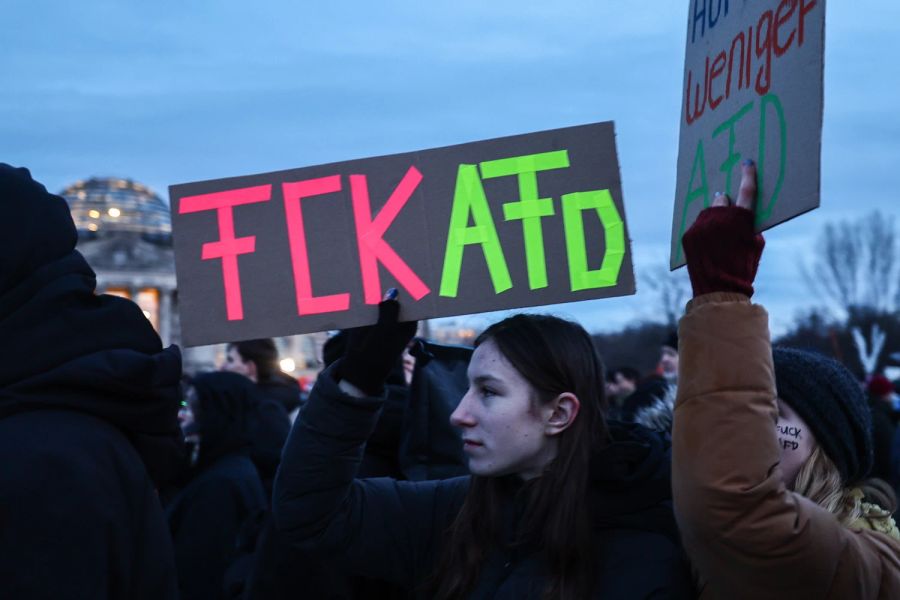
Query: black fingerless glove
{"points": [[373, 350]]}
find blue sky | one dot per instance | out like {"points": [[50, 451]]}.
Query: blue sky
{"points": [[174, 92]]}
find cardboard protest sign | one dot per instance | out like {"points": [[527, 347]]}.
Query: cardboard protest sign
{"points": [[519, 221], [752, 89]]}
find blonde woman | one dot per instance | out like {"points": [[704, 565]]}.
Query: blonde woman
{"points": [[771, 449]]}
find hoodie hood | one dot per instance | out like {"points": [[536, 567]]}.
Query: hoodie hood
{"points": [[65, 347], [222, 415], [43, 230]]}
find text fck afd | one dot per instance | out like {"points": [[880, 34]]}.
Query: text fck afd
{"points": [[470, 205]]}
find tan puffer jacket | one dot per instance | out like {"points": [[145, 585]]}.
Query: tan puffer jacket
{"points": [[747, 535]]}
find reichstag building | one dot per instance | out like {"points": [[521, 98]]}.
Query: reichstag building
{"points": [[125, 233]]}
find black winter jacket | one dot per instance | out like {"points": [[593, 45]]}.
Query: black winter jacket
{"points": [[394, 529], [225, 493], [269, 426], [88, 419], [206, 518], [79, 518]]}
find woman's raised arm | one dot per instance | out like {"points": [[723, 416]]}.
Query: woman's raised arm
{"points": [[377, 527]]}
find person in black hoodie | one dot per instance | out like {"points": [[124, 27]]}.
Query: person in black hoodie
{"points": [[278, 395], [88, 418], [560, 503], [225, 492]]}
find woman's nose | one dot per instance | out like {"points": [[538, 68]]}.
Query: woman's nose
{"points": [[461, 417]]}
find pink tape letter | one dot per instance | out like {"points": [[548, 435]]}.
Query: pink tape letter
{"points": [[307, 304], [228, 248], [370, 237]]}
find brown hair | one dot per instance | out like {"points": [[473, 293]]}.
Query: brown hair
{"points": [[262, 352], [554, 356]]}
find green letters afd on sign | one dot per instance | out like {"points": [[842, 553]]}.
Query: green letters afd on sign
{"points": [[470, 203]]}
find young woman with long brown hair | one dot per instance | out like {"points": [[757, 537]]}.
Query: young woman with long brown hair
{"points": [[560, 504], [771, 447]]}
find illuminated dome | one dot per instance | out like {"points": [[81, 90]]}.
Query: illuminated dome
{"points": [[103, 205], [125, 234]]}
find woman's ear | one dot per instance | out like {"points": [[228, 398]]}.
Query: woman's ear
{"points": [[564, 409], [252, 371]]}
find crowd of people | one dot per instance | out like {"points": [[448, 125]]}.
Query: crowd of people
{"points": [[516, 469]]}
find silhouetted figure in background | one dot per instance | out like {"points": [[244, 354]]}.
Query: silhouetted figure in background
{"points": [[621, 383], [278, 394], [224, 492], [88, 418], [883, 404]]}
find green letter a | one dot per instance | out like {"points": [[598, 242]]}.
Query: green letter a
{"points": [[469, 198]]}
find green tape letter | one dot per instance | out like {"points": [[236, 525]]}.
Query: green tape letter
{"points": [[763, 213], [580, 276], [733, 158], [469, 199], [701, 191], [530, 208]]}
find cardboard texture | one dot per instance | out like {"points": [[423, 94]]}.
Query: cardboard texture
{"points": [[520, 221], [752, 89]]}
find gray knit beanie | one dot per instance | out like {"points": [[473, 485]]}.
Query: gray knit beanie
{"points": [[828, 397]]}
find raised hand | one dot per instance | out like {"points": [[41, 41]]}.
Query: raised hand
{"points": [[721, 247], [373, 350]]}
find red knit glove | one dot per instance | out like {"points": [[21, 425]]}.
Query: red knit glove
{"points": [[723, 251]]}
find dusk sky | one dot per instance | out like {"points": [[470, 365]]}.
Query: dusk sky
{"points": [[172, 92]]}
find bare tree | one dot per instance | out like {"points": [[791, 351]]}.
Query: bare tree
{"points": [[857, 265], [672, 290]]}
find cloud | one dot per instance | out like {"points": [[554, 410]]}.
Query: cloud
{"points": [[169, 92]]}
